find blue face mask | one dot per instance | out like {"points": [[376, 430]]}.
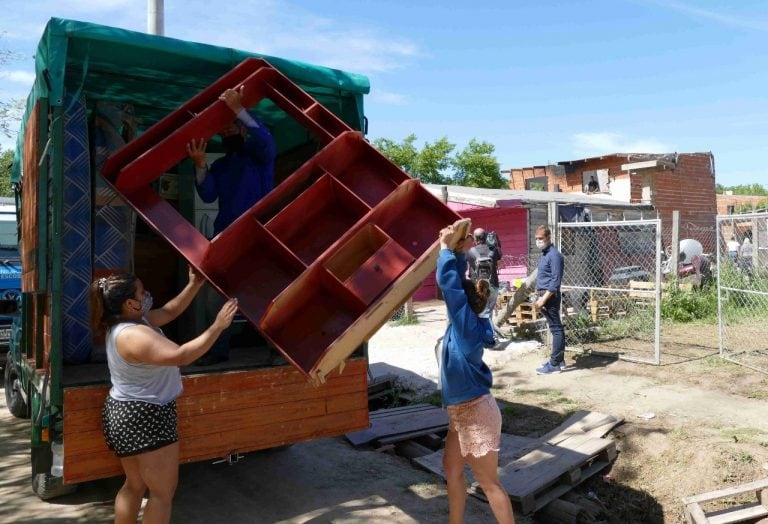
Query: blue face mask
{"points": [[146, 303]]}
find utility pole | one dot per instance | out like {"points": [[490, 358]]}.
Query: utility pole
{"points": [[155, 17]]}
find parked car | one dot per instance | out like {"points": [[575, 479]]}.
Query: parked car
{"points": [[622, 275]]}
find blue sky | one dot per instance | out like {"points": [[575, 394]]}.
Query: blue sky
{"points": [[543, 81]]}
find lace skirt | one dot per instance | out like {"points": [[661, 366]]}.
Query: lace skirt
{"points": [[478, 423]]}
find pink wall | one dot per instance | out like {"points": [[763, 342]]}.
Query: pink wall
{"points": [[511, 224]]}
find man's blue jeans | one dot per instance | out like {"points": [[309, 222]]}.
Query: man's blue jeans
{"points": [[551, 311]]}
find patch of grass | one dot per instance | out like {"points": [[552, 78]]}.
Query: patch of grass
{"points": [[546, 396], [716, 361], [746, 458], [679, 433], [546, 392], [405, 321], [510, 410], [433, 398], [570, 411], [740, 434], [758, 394], [687, 306]]}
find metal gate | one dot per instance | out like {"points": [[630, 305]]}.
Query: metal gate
{"points": [[742, 289], [612, 288]]}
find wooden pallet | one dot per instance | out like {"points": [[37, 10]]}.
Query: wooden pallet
{"points": [[389, 426], [503, 299], [607, 306], [543, 475], [524, 316], [525, 312], [695, 514], [537, 471]]}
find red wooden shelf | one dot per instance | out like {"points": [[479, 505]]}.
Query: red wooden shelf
{"points": [[320, 263]]}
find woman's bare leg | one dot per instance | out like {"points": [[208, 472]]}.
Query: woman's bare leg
{"points": [[486, 473], [128, 499], [453, 463], [160, 472]]}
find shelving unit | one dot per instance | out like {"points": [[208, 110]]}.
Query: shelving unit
{"points": [[318, 264]]}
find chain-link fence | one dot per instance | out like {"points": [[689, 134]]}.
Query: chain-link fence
{"points": [[611, 287], [688, 311], [742, 289]]}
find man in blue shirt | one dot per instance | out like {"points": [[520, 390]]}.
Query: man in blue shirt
{"points": [[548, 282], [245, 173], [238, 180]]}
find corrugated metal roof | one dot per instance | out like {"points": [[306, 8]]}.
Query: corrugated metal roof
{"points": [[524, 198], [636, 157]]}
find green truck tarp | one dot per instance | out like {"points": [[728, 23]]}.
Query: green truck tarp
{"points": [[157, 74]]}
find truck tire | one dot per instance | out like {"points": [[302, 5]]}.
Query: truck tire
{"points": [[13, 398], [48, 487]]}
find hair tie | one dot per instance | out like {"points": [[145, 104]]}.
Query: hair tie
{"points": [[102, 284]]}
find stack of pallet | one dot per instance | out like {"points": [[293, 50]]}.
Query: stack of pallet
{"points": [[603, 306], [536, 472], [523, 314]]}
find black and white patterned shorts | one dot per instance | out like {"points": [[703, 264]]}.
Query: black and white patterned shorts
{"points": [[132, 426]]}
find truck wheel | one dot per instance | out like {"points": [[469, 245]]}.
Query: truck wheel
{"points": [[13, 398], [47, 487]]}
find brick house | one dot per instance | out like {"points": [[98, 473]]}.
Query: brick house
{"points": [[740, 226], [668, 182], [730, 204]]}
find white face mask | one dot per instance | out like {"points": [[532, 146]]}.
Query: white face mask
{"points": [[146, 302], [541, 244]]}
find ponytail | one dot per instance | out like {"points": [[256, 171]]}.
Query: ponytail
{"points": [[477, 294], [483, 288], [107, 295]]}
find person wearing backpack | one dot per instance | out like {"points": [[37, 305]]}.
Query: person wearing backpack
{"points": [[482, 260]]}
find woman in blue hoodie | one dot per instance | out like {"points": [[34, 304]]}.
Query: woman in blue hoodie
{"points": [[474, 433]]}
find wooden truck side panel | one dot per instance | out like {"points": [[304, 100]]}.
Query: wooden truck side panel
{"points": [[219, 414]]}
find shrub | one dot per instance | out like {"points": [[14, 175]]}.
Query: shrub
{"points": [[687, 306]]}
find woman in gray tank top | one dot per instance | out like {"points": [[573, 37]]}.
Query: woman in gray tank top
{"points": [[139, 414]]}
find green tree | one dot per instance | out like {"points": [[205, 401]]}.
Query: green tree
{"points": [[428, 164], [476, 166], [11, 110], [6, 161], [402, 154], [752, 207], [435, 162], [743, 189]]}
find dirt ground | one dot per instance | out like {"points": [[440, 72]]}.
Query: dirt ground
{"points": [[320, 481], [694, 424]]}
